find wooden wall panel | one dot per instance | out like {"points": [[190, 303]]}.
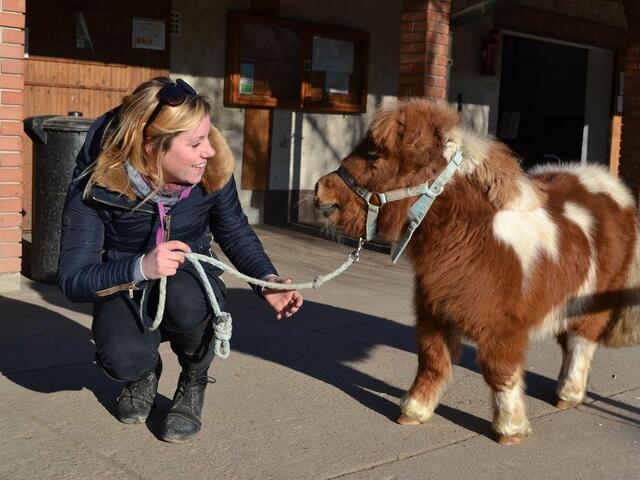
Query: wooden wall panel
{"points": [[56, 86], [256, 152]]}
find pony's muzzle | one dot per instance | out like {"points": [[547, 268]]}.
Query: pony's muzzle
{"points": [[322, 205]]}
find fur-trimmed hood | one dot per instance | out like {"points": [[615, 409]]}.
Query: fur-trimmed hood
{"points": [[219, 170]]}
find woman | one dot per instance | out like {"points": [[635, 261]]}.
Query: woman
{"points": [[154, 180]]}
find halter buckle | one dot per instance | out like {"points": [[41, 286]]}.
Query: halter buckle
{"points": [[436, 191]]}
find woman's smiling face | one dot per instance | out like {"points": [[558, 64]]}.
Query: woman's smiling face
{"points": [[186, 160]]}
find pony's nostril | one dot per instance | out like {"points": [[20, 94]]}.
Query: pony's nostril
{"points": [[315, 189]]}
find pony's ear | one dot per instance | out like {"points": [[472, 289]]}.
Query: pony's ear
{"points": [[387, 127], [412, 126], [428, 124], [446, 119]]}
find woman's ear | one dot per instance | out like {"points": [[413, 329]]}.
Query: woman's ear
{"points": [[148, 149]]}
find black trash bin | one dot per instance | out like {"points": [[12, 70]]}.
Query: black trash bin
{"points": [[56, 143]]}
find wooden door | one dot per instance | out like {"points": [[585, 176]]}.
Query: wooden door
{"points": [[60, 77]]}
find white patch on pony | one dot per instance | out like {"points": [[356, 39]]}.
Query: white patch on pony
{"points": [[529, 233], [509, 414], [596, 179], [576, 363], [528, 199], [561, 316], [417, 410], [580, 216], [474, 148]]}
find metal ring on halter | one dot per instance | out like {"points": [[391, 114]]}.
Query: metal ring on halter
{"points": [[355, 255]]}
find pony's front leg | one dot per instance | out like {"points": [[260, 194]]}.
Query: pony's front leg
{"points": [[502, 362], [435, 347]]}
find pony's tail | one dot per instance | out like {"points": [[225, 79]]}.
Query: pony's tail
{"points": [[624, 328]]}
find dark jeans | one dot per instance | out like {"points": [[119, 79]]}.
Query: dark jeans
{"points": [[126, 350]]}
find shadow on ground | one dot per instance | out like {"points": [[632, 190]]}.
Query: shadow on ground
{"points": [[45, 351]]}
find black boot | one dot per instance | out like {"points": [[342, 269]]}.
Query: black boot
{"points": [[183, 420], [138, 396]]}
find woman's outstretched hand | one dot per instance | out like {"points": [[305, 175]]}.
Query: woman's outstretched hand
{"points": [[284, 302], [164, 260]]}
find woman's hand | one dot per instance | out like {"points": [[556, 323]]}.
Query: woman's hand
{"points": [[284, 302], [164, 260]]}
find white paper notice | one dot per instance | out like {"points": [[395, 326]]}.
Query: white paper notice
{"points": [[148, 33], [337, 82]]}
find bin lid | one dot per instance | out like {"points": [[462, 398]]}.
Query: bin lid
{"points": [[38, 126], [67, 124]]}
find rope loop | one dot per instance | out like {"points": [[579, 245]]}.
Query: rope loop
{"points": [[222, 328], [222, 322]]}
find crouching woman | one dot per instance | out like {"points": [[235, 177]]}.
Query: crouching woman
{"points": [[154, 180]]}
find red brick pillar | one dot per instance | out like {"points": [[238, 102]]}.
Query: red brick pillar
{"points": [[630, 148], [12, 19], [424, 48]]}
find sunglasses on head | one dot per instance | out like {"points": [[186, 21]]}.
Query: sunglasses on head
{"points": [[173, 95]]}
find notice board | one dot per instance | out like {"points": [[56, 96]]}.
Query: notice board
{"points": [[280, 63]]}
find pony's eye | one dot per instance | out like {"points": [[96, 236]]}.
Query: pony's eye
{"points": [[371, 155]]}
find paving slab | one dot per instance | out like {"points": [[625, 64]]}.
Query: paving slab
{"points": [[34, 450]]}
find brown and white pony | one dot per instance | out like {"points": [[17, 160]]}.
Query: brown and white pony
{"points": [[501, 257]]}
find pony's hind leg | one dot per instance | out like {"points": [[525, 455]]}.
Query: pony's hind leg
{"points": [[577, 354], [435, 349], [502, 368]]}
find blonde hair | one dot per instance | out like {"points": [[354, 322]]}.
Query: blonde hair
{"points": [[126, 142]]}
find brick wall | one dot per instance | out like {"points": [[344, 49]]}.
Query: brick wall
{"points": [[12, 20], [424, 48]]}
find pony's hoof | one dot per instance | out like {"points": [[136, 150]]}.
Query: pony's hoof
{"points": [[510, 439], [406, 420], [566, 404]]}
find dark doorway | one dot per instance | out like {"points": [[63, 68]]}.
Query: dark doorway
{"points": [[542, 100]]}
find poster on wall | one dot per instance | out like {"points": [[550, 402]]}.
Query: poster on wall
{"points": [[148, 33], [246, 76]]}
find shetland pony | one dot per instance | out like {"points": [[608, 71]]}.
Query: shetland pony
{"points": [[502, 256]]}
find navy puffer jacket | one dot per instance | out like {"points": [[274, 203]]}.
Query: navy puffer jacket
{"points": [[102, 237]]}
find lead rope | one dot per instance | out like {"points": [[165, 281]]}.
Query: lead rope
{"points": [[222, 320]]}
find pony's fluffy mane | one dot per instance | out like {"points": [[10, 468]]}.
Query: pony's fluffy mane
{"points": [[421, 130]]}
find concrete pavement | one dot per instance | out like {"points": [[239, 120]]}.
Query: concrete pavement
{"points": [[311, 397]]}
